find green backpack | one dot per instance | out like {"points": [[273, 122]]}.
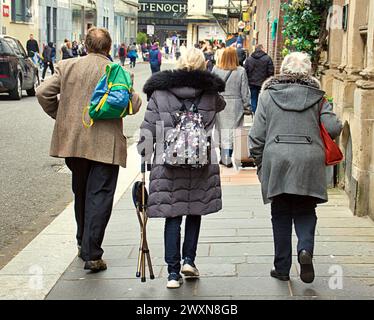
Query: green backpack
{"points": [[111, 98]]}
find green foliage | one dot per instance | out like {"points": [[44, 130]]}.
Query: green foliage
{"points": [[141, 38], [302, 25]]}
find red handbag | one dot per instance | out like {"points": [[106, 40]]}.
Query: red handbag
{"points": [[333, 154]]}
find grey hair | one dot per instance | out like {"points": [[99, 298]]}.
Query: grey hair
{"points": [[297, 63]]}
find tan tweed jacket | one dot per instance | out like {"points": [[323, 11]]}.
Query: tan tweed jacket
{"points": [[64, 97]]}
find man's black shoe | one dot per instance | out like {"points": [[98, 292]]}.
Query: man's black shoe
{"points": [[306, 266], [95, 265], [274, 273]]}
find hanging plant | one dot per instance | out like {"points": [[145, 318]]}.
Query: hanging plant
{"points": [[305, 27]]}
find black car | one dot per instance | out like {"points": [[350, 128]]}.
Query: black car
{"points": [[17, 70]]}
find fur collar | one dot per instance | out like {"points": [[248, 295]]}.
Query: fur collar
{"points": [[196, 79], [291, 79]]}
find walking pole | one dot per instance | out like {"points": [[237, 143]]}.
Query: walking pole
{"points": [[140, 244], [146, 251]]}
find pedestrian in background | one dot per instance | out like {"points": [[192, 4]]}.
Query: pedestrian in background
{"points": [[74, 49], [48, 59], [286, 143], [155, 58], [209, 56], [219, 52], [183, 48], [132, 55], [241, 54], [82, 50], [259, 67], [32, 48], [237, 99], [53, 53], [176, 192], [166, 49], [66, 51], [122, 54], [93, 155]]}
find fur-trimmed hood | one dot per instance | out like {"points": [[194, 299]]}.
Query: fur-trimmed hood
{"points": [[289, 79], [173, 79], [294, 93]]}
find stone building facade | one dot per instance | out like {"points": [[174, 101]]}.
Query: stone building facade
{"points": [[55, 20], [348, 77], [19, 19]]}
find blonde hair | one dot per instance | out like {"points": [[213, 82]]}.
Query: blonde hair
{"points": [[297, 63], [229, 59], [192, 59]]}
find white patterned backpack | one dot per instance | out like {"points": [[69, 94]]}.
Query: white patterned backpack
{"points": [[188, 144]]}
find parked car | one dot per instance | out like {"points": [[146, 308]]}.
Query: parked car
{"points": [[17, 71]]}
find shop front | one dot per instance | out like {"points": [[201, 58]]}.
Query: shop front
{"points": [[163, 20]]}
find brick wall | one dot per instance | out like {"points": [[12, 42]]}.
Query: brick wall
{"points": [[267, 12]]}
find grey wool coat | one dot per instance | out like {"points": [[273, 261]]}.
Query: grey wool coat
{"points": [[237, 97], [64, 97], [177, 191], [285, 138]]}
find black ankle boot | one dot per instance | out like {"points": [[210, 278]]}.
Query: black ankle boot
{"points": [[306, 266], [275, 274]]}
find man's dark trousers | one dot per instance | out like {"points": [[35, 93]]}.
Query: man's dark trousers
{"points": [[94, 185]]}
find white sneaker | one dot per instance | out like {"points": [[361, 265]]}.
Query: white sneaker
{"points": [[190, 270], [174, 281]]}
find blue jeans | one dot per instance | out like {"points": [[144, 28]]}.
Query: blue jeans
{"points": [[226, 155], [172, 238], [132, 62], [301, 210], [255, 91], [155, 68]]}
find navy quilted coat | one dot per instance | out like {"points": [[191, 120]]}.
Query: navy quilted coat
{"points": [[175, 191]]}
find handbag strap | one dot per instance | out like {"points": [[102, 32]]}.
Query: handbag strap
{"points": [[228, 76], [320, 106]]}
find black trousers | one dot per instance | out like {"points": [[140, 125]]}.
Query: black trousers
{"points": [[46, 65], [94, 185], [172, 238], [285, 210]]}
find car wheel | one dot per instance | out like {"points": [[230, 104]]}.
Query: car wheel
{"points": [[31, 92], [16, 93]]}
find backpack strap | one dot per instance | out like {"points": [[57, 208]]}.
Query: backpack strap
{"points": [[194, 107], [85, 111]]}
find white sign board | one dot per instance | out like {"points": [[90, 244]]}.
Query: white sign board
{"points": [[211, 32], [150, 29]]}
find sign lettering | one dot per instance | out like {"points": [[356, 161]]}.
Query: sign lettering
{"points": [[6, 11], [163, 7]]}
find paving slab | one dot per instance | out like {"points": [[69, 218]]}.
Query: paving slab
{"points": [[235, 255]]}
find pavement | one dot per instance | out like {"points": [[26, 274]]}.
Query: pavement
{"points": [[235, 253]]}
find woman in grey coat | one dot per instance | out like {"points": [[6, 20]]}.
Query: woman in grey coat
{"points": [[177, 192], [286, 144], [236, 96]]}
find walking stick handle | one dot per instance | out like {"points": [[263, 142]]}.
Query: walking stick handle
{"points": [[145, 167]]}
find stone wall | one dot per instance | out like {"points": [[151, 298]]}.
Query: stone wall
{"points": [[349, 79]]}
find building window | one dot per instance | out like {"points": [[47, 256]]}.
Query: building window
{"points": [[48, 24], [209, 5], [54, 25], [106, 22], [22, 10]]}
